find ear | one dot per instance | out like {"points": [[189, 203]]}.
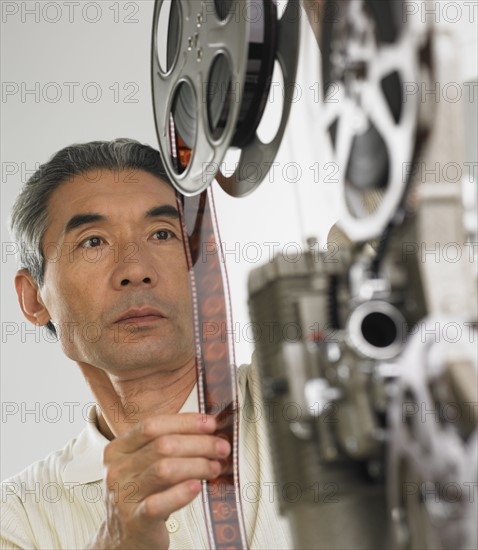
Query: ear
{"points": [[29, 298]]}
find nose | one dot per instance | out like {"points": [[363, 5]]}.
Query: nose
{"points": [[134, 268]]}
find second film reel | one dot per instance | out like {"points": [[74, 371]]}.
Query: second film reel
{"points": [[369, 54]]}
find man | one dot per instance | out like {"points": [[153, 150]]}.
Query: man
{"points": [[109, 210]]}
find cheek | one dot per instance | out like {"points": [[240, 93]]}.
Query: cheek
{"points": [[178, 276], [64, 295], [182, 292], [182, 302]]}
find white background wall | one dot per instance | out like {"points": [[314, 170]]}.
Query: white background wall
{"points": [[45, 46]]}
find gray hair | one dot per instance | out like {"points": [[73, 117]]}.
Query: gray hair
{"points": [[29, 217]]}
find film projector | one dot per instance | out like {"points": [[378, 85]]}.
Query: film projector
{"points": [[390, 437]]}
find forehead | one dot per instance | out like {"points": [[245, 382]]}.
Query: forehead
{"points": [[114, 194], [104, 188]]}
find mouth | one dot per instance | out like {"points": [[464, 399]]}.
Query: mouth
{"points": [[143, 316]]}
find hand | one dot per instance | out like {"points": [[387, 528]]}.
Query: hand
{"points": [[153, 470]]}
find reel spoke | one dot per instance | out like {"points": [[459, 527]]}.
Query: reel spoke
{"points": [[165, 87], [225, 37], [345, 134]]}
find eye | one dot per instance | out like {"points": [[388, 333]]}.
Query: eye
{"points": [[163, 235], [91, 242]]}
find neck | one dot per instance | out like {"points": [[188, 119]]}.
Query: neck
{"points": [[125, 402]]}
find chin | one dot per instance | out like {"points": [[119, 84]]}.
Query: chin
{"points": [[137, 357]]}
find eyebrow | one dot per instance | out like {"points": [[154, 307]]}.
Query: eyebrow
{"points": [[164, 211], [82, 219]]}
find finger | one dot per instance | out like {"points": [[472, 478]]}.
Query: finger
{"points": [[174, 445], [160, 505], [151, 428], [168, 472], [177, 446]]}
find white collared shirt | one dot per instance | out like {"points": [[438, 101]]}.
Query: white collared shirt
{"points": [[58, 502]]}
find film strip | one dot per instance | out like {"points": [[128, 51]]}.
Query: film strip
{"points": [[215, 365]]}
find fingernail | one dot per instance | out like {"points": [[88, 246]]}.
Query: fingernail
{"points": [[194, 485], [207, 422], [226, 467], [216, 467], [222, 446]]}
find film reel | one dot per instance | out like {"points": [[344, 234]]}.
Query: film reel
{"points": [[369, 54], [434, 443], [212, 64]]}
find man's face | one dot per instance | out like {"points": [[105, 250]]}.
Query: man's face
{"points": [[114, 244]]}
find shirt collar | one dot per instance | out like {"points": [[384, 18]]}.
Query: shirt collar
{"points": [[85, 463]]}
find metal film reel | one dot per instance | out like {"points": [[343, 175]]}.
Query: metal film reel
{"points": [[369, 53], [212, 65]]}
